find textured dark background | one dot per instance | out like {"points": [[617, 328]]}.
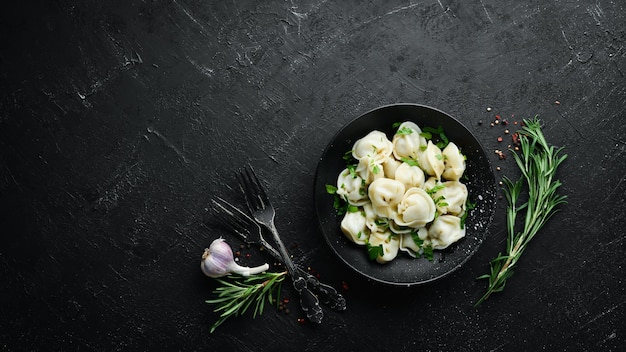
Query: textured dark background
{"points": [[119, 120]]}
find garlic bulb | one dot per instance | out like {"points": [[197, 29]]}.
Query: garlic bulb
{"points": [[218, 261]]}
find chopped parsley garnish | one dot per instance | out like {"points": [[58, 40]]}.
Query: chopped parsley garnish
{"points": [[436, 189], [374, 252], [352, 208], [404, 131], [416, 238], [468, 206], [439, 201], [428, 252], [411, 162], [382, 222], [436, 132], [348, 157]]}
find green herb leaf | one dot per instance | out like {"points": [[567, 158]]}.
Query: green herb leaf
{"points": [[347, 156], [352, 170], [416, 238], [429, 253], [404, 131], [374, 252], [411, 162], [438, 132], [435, 189], [352, 208], [330, 189], [468, 206]]}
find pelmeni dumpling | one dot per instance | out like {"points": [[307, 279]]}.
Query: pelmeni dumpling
{"points": [[390, 165], [453, 161], [352, 188], [385, 194], [410, 176], [397, 229], [445, 230], [407, 141], [430, 184], [390, 244], [416, 208], [407, 243], [451, 198], [431, 160], [353, 226], [370, 218], [369, 170], [374, 146]]}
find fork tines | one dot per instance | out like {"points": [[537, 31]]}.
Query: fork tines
{"points": [[231, 217], [256, 198]]}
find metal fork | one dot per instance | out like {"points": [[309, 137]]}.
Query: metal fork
{"points": [[263, 212], [238, 222]]}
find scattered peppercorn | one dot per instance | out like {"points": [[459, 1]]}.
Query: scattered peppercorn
{"points": [[499, 139], [515, 138]]}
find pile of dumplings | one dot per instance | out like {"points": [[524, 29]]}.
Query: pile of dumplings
{"points": [[403, 187]]}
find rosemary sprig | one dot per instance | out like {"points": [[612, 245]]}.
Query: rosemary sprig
{"points": [[235, 296], [538, 163]]}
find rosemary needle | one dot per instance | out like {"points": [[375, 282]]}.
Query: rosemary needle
{"points": [[234, 297], [538, 163]]}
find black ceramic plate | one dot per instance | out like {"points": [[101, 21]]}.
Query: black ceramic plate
{"points": [[405, 270]]}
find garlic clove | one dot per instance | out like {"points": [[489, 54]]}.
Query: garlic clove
{"points": [[218, 261]]}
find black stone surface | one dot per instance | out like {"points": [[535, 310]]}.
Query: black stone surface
{"points": [[120, 120]]}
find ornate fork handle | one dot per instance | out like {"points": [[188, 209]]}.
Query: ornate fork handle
{"points": [[308, 301], [327, 294]]}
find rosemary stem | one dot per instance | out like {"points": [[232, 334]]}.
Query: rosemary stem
{"points": [[538, 163]]}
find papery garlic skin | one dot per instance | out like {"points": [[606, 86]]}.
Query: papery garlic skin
{"points": [[218, 261]]}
